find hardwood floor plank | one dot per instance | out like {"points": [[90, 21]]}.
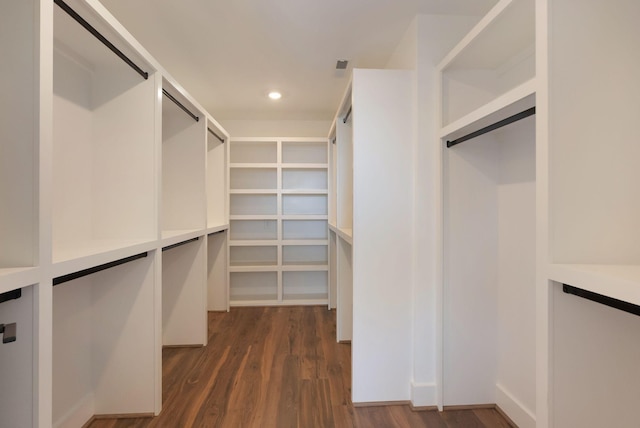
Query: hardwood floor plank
{"points": [[277, 367]]}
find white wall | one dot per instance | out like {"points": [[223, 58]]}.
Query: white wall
{"points": [[276, 128], [424, 44]]}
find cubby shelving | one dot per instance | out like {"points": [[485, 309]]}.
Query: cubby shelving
{"points": [[489, 227], [278, 210]]}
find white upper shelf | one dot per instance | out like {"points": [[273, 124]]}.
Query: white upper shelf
{"points": [[620, 282], [507, 30]]}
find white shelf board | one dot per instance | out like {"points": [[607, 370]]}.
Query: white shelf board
{"points": [[254, 217], [343, 233], [254, 242], [170, 237], [253, 165], [508, 28], [214, 228], [14, 278], [255, 300], [304, 267], [304, 217], [305, 242], [308, 301], [515, 101], [621, 282], [255, 267], [305, 191], [98, 252], [305, 165], [253, 191]]}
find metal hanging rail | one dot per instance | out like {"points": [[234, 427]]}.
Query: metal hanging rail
{"points": [[11, 295], [218, 232], [216, 135], [80, 20], [179, 104], [69, 277], [604, 300], [504, 122], [179, 244], [346, 116]]}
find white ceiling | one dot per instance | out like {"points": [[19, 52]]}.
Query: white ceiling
{"points": [[229, 53]]}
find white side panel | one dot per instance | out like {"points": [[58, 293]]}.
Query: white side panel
{"points": [[344, 285], [382, 234], [184, 291], [218, 289], [216, 181]]}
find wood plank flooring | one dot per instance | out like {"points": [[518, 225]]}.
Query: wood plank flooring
{"points": [[277, 367]]}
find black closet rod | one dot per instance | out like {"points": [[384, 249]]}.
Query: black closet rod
{"points": [[179, 244], [216, 135], [10, 295], [604, 300], [504, 122], [215, 233], [346, 116], [80, 20], [333, 140], [179, 104], [69, 277]]}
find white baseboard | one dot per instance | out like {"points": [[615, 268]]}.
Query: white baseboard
{"points": [[514, 409], [78, 415], [423, 394]]}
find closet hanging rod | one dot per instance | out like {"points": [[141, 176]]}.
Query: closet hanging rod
{"points": [[80, 20], [504, 122], [8, 332], [179, 104], [218, 232], [216, 135], [346, 116], [11, 295], [168, 247], [333, 140], [604, 300], [69, 277]]}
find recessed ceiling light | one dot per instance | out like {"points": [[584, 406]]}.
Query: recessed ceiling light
{"points": [[274, 95]]}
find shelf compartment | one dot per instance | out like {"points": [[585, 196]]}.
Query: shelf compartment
{"points": [[254, 204], [254, 152], [253, 178], [309, 285], [304, 229], [101, 344], [497, 55], [18, 363], [304, 255], [183, 169], [253, 286], [244, 256], [18, 134], [304, 204], [304, 152], [216, 177], [104, 147], [253, 230], [313, 179]]}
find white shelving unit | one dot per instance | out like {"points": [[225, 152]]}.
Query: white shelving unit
{"points": [[489, 230], [590, 107], [98, 176], [278, 243], [370, 231]]}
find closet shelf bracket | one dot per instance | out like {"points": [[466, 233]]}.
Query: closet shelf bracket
{"points": [[8, 332]]}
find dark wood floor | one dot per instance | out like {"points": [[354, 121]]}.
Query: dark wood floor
{"points": [[277, 367]]}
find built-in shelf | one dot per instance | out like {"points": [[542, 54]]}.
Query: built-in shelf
{"points": [[343, 233], [620, 282], [14, 278]]}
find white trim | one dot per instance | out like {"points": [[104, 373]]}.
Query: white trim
{"points": [[514, 409]]}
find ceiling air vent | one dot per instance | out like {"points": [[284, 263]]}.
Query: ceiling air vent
{"points": [[341, 64]]}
